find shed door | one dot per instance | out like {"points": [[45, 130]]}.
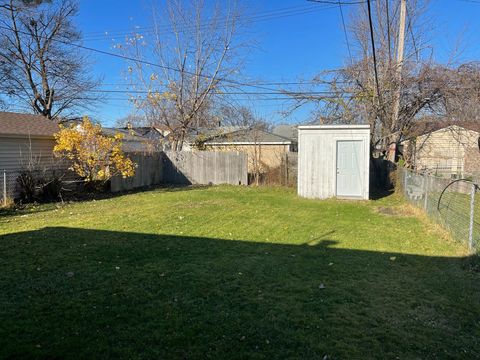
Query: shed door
{"points": [[350, 163]]}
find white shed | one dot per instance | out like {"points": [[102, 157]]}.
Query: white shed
{"points": [[334, 161]]}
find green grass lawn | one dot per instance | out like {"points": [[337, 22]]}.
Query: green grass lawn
{"points": [[233, 273]]}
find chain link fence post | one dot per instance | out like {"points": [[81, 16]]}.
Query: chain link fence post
{"points": [[472, 213], [5, 188]]}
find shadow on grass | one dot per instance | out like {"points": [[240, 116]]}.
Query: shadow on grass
{"points": [[377, 193], [77, 293]]}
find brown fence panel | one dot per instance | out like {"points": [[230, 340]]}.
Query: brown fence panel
{"points": [[205, 168], [147, 173]]}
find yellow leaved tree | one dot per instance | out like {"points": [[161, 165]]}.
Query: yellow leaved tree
{"points": [[93, 155]]}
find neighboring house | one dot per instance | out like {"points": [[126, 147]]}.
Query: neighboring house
{"points": [[451, 151], [287, 131], [196, 138], [265, 150], [26, 142], [140, 139], [25, 138]]}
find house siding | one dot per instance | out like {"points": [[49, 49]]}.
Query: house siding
{"points": [[450, 150], [269, 156], [15, 152]]}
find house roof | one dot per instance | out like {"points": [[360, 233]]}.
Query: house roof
{"points": [[429, 126], [245, 136], [26, 125], [128, 134], [287, 131]]}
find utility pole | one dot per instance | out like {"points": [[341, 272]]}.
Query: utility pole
{"points": [[392, 146]]}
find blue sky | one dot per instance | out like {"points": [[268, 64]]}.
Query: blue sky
{"points": [[295, 43]]}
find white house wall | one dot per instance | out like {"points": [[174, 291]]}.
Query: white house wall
{"points": [[317, 159]]}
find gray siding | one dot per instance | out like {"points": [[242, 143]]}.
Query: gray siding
{"points": [[317, 160], [15, 152]]}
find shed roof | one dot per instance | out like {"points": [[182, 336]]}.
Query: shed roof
{"points": [[26, 125], [332, 127]]}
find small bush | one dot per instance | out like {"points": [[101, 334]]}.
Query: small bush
{"points": [[52, 190], [27, 185], [39, 186]]}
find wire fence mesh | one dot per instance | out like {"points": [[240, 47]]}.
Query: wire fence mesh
{"points": [[8, 183], [454, 204], [11, 186]]}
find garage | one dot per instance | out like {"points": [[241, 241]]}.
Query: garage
{"points": [[334, 161]]}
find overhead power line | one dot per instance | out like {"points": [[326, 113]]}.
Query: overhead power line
{"points": [[334, 2], [345, 31], [280, 92], [372, 38], [272, 15], [128, 58], [271, 12], [124, 57]]}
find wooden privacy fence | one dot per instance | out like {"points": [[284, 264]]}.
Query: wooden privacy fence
{"points": [[148, 172], [205, 167], [185, 168]]}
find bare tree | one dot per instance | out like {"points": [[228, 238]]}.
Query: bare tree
{"points": [[5, 4], [132, 120], [355, 97], [461, 100], [196, 50], [40, 71], [240, 116]]}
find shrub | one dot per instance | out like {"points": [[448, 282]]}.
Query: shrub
{"points": [[27, 185], [39, 186]]}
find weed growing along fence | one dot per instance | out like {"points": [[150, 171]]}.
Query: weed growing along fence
{"points": [[8, 180], [285, 174], [454, 204]]}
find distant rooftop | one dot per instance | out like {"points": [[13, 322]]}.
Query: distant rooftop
{"points": [[287, 131], [249, 136]]}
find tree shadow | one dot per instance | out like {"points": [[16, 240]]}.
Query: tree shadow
{"points": [[78, 293]]}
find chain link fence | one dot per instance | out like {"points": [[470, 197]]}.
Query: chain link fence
{"points": [[8, 186], [454, 204]]}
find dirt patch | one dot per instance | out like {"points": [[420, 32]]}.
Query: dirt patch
{"points": [[393, 211]]}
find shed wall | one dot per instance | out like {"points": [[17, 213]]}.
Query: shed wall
{"points": [[317, 160]]}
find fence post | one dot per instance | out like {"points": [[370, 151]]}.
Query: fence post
{"points": [[425, 178], [286, 170], [5, 188], [472, 212]]}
